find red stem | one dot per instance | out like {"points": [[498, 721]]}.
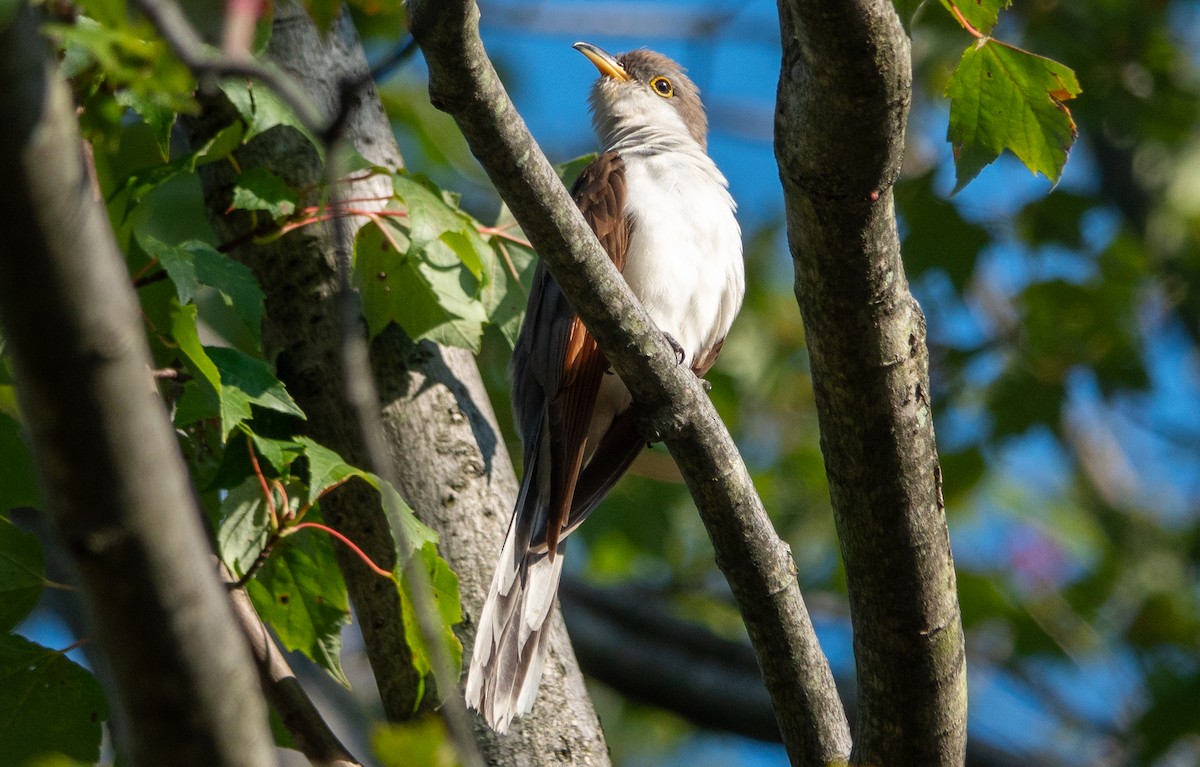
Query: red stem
{"points": [[349, 544], [268, 496], [965, 24]]}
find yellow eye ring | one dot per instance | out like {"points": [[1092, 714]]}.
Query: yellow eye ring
{"points": [[662, 86]]}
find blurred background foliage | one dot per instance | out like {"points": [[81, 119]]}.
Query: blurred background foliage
{"points": [[1065, 346]]}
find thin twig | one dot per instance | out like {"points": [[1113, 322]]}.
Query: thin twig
{"points": [[206, 64]]}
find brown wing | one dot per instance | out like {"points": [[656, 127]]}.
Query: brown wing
{"points": [[600, 194], [707, 358]]}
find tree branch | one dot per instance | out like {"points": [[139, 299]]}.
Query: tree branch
{"points": [[757, 564], [296, 710], [842, 104], [116, 485]]}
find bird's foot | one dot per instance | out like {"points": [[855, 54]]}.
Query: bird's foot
{"points": [[680, 354]]}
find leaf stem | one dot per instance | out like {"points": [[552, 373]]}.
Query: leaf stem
{"points": [[965, 24], [348, 543], [268, 496]]}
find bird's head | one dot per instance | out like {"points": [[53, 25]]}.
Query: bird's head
{"points": [[644, 90]]}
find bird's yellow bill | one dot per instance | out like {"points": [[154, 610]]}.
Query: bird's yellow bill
{"points": [[603, 60]]}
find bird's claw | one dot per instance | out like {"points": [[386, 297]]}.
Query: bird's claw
{"points": [[680, 354]]}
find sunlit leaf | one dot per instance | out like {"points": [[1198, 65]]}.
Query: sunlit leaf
{"points": [[1006, 98], [448, 611], [323, 12], [260, 189], [980, 14], [262, 110], [429, 294], [326, 468], [421, 741], [244, 528]]}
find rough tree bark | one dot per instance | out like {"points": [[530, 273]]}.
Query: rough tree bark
{"points": [[757, 564], [455, 471], [843, 100], [115, 483]]}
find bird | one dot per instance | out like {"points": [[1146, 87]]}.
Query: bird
{"points": [[663, 212]]}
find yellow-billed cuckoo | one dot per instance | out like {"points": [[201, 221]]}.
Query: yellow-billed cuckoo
{"points": [[662, 211]]}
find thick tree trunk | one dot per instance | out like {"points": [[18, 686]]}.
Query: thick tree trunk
{"points": [[115, 483], [843, 100], [447, 446]]}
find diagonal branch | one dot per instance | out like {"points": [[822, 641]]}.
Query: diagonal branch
{"points": [[296, 710], [756, 562]]}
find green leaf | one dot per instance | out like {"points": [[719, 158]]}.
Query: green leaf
{"points": [[1006, 98], [244, 529], [48, 704], [193, 266], [21, 574], [936, 236], [326, 468], [127, 57], [981, 14], [323, 12], [159, 118], [569, 171], [300, 593], [505, 296], [248, 381], [142, 182], [408, 532], [429, 217], [448, 611], [278, 452], [232, 380], [110, 13], [262, 110], [18, 486], [207, 377], [421, 741], [414, 537], [1056, 218], [260, 189], [429, 294], [8, 11]]}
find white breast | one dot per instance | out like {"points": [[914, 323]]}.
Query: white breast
{"points": [[684, 260], [685, 250]]}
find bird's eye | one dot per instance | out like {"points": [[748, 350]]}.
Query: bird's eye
{"points": [[662, 86]]}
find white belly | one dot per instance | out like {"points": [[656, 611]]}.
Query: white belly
{"points": [[684, 261], [685, 250]]}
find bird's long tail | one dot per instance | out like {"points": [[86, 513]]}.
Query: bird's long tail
{"points": [[511, 644]]}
